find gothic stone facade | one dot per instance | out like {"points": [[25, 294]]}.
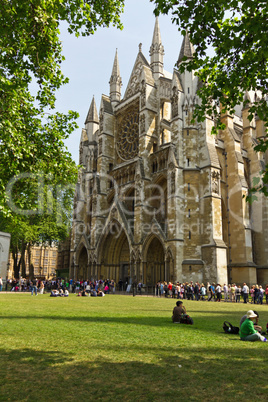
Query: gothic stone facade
{"points": [[160, 198]]}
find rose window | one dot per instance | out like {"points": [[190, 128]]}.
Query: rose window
{"points": [[128, 136]]}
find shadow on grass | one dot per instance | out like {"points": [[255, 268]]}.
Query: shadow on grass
{"points": [[147, 321], [205, 324], [172, 374]]}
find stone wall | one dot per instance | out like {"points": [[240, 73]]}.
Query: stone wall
{"points": [[4, 254]]}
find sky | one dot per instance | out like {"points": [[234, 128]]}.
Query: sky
{"points": [[89, 61]]}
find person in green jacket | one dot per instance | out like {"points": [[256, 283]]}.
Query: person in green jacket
{"points": [[247, 331]]}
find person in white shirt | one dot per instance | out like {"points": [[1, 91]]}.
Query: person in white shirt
{"points": [[261, 292], [245, 292], [233, 289], [54, 293], [225, 291], [218, 292]]}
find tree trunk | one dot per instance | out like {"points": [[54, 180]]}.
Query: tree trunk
{"points": [[16, 266], [22, 259], [31, 267]]}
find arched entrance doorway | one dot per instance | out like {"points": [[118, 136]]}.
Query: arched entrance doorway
{"points": [[115, 255], [154, 267], [82, 264]]}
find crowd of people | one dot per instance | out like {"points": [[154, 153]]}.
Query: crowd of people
{"points": [[36, 286], [248, 329], [188, 290], [212, 292]]}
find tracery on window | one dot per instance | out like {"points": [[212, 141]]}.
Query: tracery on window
{"points": [[128, 135]]}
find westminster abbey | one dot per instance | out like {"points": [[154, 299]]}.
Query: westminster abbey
{"points": [[159, 198]]}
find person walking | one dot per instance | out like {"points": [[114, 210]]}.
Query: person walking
{"points": [[209, 291], [213, 294], [256, 294], [170, 289], [237, 294], [229, 292], [261, 292], [252, 289], [112, 284], [1, 283], [178, 287], [218, 292], [196, 291], [41, 288], [203, 292], [225, 291], [34, 287], [233, 289]]}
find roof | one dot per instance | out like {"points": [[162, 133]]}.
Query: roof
{"points": [[106, 104], [92, 116], [187, 49]]}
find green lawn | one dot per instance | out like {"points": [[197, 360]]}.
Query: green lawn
{"points": [[126, 348]]}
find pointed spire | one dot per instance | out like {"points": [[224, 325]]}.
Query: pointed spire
{"points": [[187, 49], [116, 71], [115, 81], [246, 100], [247, 97], [157, 52], [92, 116], [157, 35]]}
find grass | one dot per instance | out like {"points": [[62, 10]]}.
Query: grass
{"points": [[124, 347]]}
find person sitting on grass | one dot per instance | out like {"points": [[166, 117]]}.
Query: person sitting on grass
{"points": [[256, 323], [178, 311], [247, 331], [54, 293], [100, 293]]}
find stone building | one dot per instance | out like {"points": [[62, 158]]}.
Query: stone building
{"points": [[44, 259], [160, 198], [63, 260]]}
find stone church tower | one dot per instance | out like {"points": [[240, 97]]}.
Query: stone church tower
{"points": [[160, 198]]}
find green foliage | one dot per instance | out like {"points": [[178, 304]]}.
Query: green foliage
{"points": [[37, 172], [237, 32], [31, 137]]}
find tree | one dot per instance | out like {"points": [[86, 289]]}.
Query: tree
{"points": [[45, 223], [237, 32], [37, 172], [31, 136]]}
